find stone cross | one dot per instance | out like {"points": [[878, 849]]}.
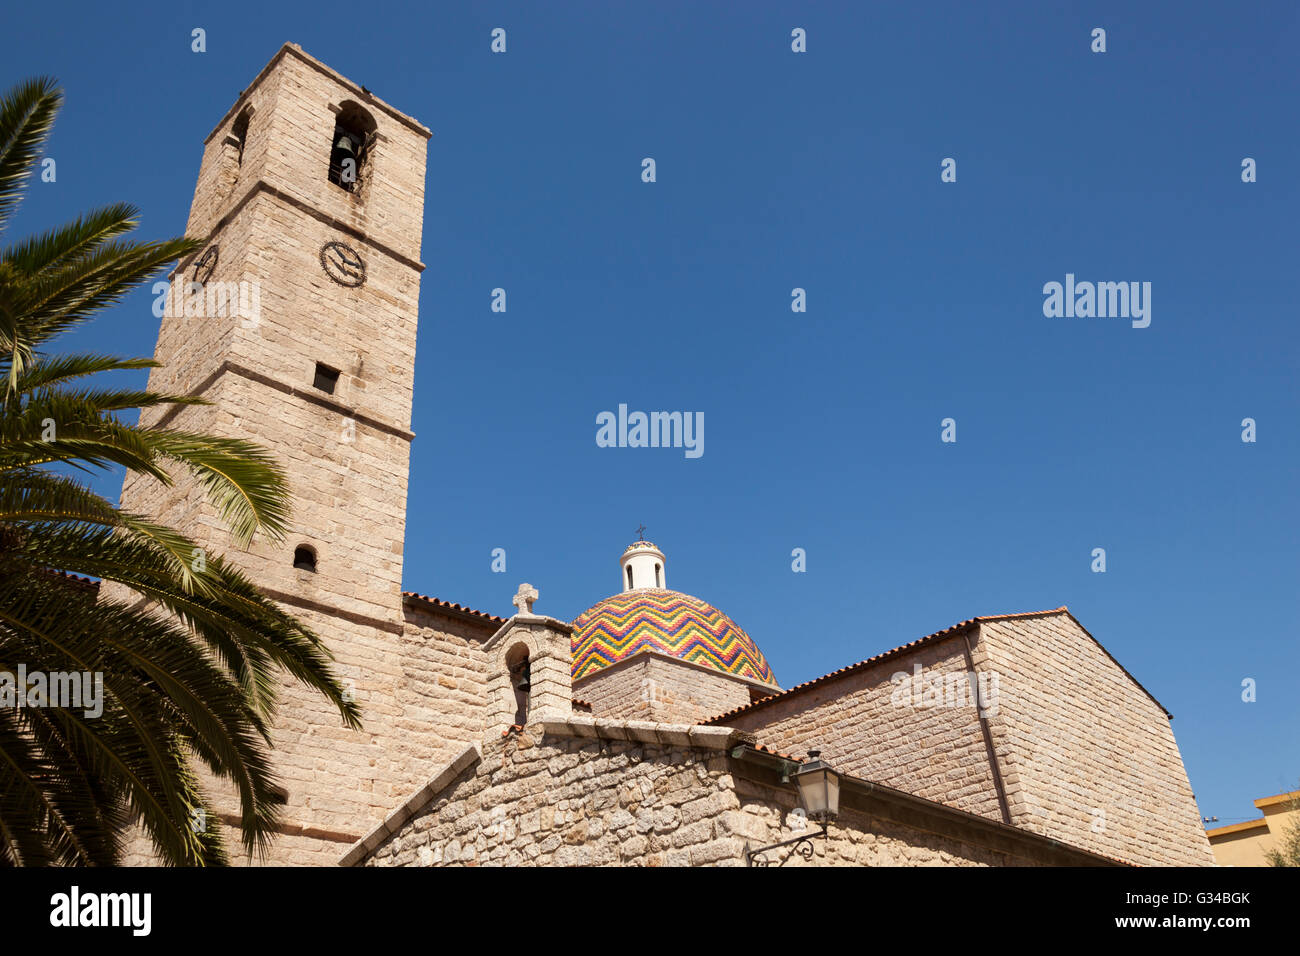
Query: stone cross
{"points": [[524, 598]]}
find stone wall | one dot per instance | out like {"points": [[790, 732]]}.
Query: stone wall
{"points": [[650, 687], [1085, 754], [565, 801], [864, 726], [863, 836], [421, 693], [607, 793], [618, 691], [1091, 757]]}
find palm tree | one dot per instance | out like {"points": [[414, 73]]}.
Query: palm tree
{"points": [[196, 687]]}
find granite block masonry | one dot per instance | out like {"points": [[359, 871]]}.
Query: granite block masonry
{"points": [[473, 749]]}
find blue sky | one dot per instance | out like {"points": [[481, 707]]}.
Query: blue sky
{"points": [[819, 171]]}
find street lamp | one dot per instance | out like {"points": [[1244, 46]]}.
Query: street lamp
{"points": [[819, 788], [819, 791]]}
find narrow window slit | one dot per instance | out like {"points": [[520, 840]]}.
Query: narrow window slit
{"points": [[327, 379]]}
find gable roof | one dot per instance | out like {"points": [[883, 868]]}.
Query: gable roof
{"points": [[956, 629]]}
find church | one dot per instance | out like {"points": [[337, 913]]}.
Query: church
{"points": [[651, 729]]}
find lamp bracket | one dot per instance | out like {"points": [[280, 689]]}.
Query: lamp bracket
{"points": [[802, 845]]}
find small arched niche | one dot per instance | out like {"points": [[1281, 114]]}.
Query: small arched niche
{"points": [[304, 558], [518, 665]]}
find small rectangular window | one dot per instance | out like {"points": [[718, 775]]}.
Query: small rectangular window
{"points": [[326, 378]]}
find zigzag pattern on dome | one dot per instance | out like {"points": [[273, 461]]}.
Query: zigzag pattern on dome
{"points": [[667, 622]]}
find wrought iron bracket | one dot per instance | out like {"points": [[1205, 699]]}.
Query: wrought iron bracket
{"points": [[801, 845]]}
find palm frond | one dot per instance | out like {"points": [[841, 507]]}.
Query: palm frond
{"points": [[243, 481], [49, 371], [191, 673], [61, 247], [27, 115], [57, 300]]}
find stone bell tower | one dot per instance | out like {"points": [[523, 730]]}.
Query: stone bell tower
{"points": [[297, 320], [301, 328]]}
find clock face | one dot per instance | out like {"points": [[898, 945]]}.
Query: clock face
{"points": [[204, 265], [343, 264]]}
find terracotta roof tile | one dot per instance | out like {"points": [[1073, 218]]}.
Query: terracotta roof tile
{"points": [[777, 753], [448, 606], [88, 584]]}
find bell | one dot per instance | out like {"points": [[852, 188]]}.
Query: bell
{"points": [[344, 145], [522, 679]]}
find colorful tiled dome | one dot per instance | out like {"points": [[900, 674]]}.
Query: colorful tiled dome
{"points": [[667, 622]]}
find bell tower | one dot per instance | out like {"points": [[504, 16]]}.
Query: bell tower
{"points": [[297, 321]]}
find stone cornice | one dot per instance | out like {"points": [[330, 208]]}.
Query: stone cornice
{"points": [[649, 732], [392, 627], [262, 186], [299, 393], [553, 623], [294, 829]]}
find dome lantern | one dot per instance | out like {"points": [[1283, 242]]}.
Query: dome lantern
{"points": [[643, 566]]}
